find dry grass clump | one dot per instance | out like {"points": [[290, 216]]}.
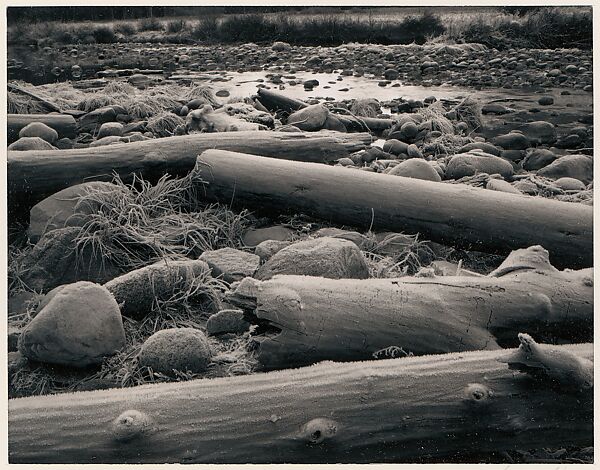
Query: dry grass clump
{"points": [[16, 103], [435, 113], [98, 100], [138, 224], [396, 254], [202, 92], [143, 107], [446, 144], [16, 268], [119, 88], [365, 107], [164, 125], [469, 111]]}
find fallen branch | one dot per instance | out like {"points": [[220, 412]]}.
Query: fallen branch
{"points": [[50, 106], [400, 410], [456, 215]]}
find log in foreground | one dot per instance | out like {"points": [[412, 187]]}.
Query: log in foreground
{"points": [[454, 214], [64, 124], [34, 175], [309, 319], [398, 410]]}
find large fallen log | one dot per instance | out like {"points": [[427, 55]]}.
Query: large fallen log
{"points": [[309, 319], [64, 124], [456, 215], [274, 101], [439, 408], [34, 175]]}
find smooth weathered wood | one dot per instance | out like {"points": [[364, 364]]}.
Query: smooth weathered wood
{"points": [[457, 215], [65, 125], [34, 175], [398, 410], [350, 319], [276, 101]]}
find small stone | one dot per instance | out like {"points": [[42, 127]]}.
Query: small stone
{"points": [[222, 93], [311, 118], [414, 152], [354, 237], [79, 327], [264, 250], [546, 101], [41, 130], [393, 146], [569, 184], [538, 158], [181, 349], [110, 129], [329, 257], [512, 141], [227, 321], [501, 185], [416, 168], [233, 265], [254, 237]]}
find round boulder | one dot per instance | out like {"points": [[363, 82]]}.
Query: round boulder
{"points": [[79, 326], [468, 164], [31, 143], [41, 130], [569, 184], [110, 128], [334, 258], [416, 168], [537, 159], [580, 167], [181, 349]]}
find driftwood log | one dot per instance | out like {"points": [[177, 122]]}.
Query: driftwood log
{"points": [[34, 175], [64, 124], [309, 319], [456, 215], [274, 101], [397, 410]]}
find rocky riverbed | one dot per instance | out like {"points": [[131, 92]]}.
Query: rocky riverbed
{"points": [[143, 294]]}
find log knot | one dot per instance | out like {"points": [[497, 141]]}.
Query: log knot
{"points": [[318, 430], [477, 394], [131, 424]]}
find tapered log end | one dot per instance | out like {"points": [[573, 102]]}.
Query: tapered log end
{"points": [[551, 365]]}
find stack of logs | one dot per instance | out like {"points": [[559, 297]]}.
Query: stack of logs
{"points": [[460, 391]]}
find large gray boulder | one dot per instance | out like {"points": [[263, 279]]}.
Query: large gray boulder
{"points": [[311, 118], [333, 258], [78, 327]]}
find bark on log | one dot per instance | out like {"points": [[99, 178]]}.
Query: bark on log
{"points": [[34, 175], [63, 124], [349, 319], [398, 410], [276, 101], [457, 215]]}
